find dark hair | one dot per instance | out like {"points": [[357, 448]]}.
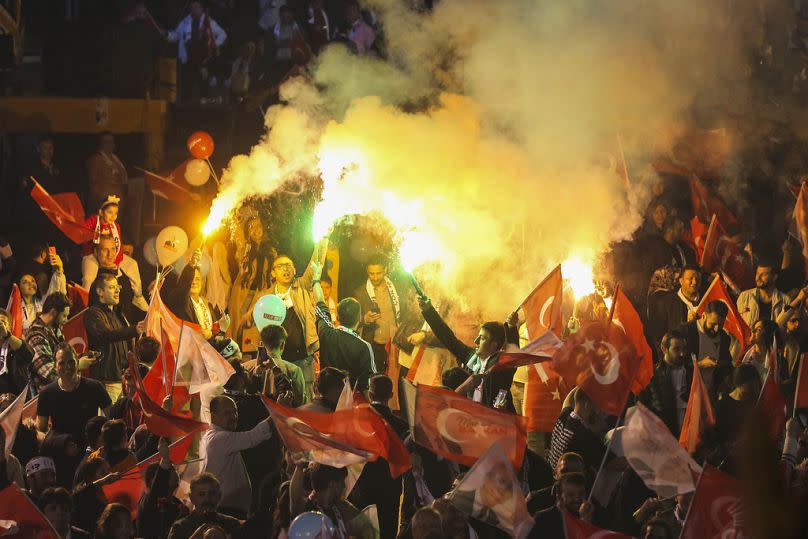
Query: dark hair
{"points": [[381, 388], [147, 349], [113, 433], [322, 475], [284, 9], [109, 513], [661, 523], [330, 379], [203, 477], [151, 472], [690, 267], [93, 427], [497, 332], [376, 260], [86, 471], [717, 307], [677, 334], [57, 301], [273, 336], [54, 495], [744, 374], [766, 263], [97, 283], [570, 478], [571, 455], [262, 254], [769, 331], [216, 401], [453, 377], [63, 347], [349, 312]]}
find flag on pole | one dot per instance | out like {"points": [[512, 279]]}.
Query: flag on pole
{"points": [[65, 211], [801, 219], [626, 317], [698, 232], [735, 325], [545, 392], [461, 430], [21, 517], [772, 404], [602, 362], [14, 309], [801, 392], [10, 420], [75, 333], [699, 415], [538, 350], [716, 509], [542, 308], [579, 529], [706, 204], [168, 186], [723, 253], [654, 454], [428, 364], [79, 297], [491, 493]]}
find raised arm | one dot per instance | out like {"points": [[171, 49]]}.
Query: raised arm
{"points": [[444, 333], [317, 257]]}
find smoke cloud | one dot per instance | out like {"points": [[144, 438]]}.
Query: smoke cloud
{"points": [[494, 126]]}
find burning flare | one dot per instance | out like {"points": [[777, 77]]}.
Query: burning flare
{"points": [[578, 275]]}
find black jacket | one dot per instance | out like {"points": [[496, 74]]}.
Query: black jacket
{"points": [[722, 378], [666, 311], [659, 395], [178, 298], [158, 509], [126, 304], [493, 382], [343, 349], [18, 363], [109, 333]]}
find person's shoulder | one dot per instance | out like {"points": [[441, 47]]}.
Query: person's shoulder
{"points": [[78, 533], [227, 522], [49, 391]]}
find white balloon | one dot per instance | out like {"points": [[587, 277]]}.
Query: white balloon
{"points": [[204, 264], [149, 251], [197, 172], [171, 244]]}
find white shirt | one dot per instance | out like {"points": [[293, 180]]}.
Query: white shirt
{"points": [[182, 33], [221, 451]]}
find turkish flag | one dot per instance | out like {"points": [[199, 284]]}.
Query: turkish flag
{"points": [[706, 204], [602, 361], [545, 392], [625, 316], [132, 485], [698, 232], [773, 405], [350, 436], [542, 307], [716, 509], [28, 522], [735, 325], [157, 379], [168, 186], [722, 253], [801, 219], [79, 297], [14, 309], [65, 211], [461, 430], [428, 364], [536, 351], [578, 529], [76, 334], [159, 421], [699, 415], [10, 419], [801, 393]]}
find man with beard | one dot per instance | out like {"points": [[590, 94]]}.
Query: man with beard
{"points": [[570, 491], [669, 389], [764, 302], [707, 340], [669, 310], [205, 496]]}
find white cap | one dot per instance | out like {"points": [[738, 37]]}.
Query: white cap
{"points": [[37, 464]]}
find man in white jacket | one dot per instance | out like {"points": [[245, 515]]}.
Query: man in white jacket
{"points": [[199, 38]]}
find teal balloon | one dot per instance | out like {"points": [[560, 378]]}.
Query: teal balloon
{"points": [[269, 310], [311, 524]]}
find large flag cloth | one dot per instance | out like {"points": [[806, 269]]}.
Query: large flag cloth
{"points": [[79, 297], [652, 451], [545, 392], [428, 365], [538, 350], [542, 308], [65, 211], [578, 529], [735, 325], [169, 186], [491, 493], [801, 219], [698, 232], [625, 316], [10, 420], [716, 510], [801, 393], [14, 309], [772, 404], [199, 364], [345, 437], [157, 382], [722, 253], [76, 334], [602, 362], [699, 415], [21, 518], [706, 204], [158, 420], [461, 430], [130, 487]]}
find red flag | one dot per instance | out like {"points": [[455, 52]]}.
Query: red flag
{"points": [[79, 297], [14, 309], [578, 529], [698, 232], [735, 325], [625, 316], [10, 421], [76, 334], [159, 421], [154, 383], [461, 430], [348, 436], [699, 415], [536, 351], [15, 506], [772, 404], [705, 204], [602, 362], [801, 393], [428, 364], [801, 219], [545, 392], [168, 186], [722, 253], [716, 509], [64, 211], [132, 485], [543, 306]]}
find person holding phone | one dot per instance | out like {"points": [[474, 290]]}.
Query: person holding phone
{"points": [[30, 292], [15, 356]]}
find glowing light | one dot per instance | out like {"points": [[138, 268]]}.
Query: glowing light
{"points": [[578, 275], [218, 211], [418, 248], [608, 302]]}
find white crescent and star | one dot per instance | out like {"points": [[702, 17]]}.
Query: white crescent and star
{"points": [[612, 366], [547, 304], [443, 418]]}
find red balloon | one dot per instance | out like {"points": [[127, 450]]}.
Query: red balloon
{"points": [[200, 144]]}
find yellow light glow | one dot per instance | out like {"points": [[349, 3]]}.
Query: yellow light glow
{"points": [[418, 248], [608, 302], [578, 275]]}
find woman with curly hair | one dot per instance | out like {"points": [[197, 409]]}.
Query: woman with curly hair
{"points": [[115, 522]]}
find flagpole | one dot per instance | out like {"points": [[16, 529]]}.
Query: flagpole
{"points": [[797, 387], [163, 359], [176, 356]]}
